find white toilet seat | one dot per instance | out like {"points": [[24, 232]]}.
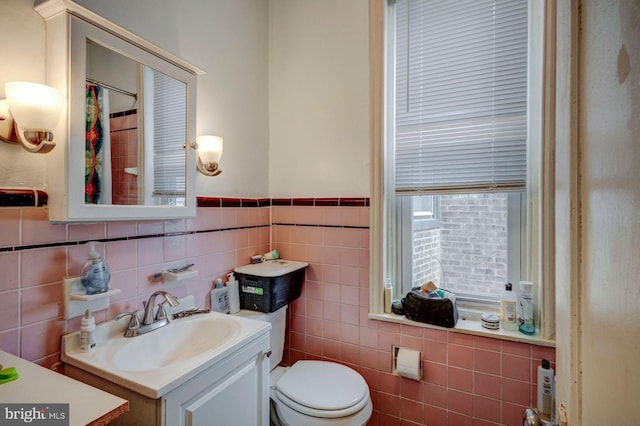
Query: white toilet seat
{"points": [[287, 416], [321, 392], [315, 412]]}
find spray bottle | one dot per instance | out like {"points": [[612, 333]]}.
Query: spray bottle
{"points": [[87, 332]]}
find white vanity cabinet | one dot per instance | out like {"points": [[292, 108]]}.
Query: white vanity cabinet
{"points": [[232, 391]]}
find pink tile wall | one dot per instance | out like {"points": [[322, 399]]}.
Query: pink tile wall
{"points": [[124, 153], [469, 380], [36, 255]]}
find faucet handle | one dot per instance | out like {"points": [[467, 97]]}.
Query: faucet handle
{"points": [[134, 322], [161, 313]]}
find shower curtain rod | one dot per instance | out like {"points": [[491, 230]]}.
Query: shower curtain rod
{"points": [[110, 87]]}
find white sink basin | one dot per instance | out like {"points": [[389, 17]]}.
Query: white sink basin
{"points": [[176, 343], [157, 362]]}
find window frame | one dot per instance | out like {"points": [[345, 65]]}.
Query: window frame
{"points": [[540, 266]]}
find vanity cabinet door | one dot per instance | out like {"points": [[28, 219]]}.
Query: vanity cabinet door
{"points": [[234, 401], [235, 391]]}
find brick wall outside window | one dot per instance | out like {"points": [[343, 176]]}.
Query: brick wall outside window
{"points": [[471, 244]]}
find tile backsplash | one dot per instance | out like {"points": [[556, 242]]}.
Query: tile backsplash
{"points": [[35, 256], [468, 379]]}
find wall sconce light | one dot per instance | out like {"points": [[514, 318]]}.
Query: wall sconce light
{"points": [[209, 154], [29, 114]]}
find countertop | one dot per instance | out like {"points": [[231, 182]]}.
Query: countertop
{"points": [[39, 385], [142, 370]]}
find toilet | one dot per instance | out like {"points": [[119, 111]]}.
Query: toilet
{"points": [[312, 393]]}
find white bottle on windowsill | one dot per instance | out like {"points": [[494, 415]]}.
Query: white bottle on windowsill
{"points": [[387, 296], [508, 308]]}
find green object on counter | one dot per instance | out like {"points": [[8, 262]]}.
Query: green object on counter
{"points": [[8, 374]]}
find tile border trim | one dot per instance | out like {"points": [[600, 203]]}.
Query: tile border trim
{"points": [[322, 201], [312, 225], [127, 238], [37, 198], [23, 198], [266, 202]]}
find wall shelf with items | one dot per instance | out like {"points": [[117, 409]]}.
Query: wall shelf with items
{"points": [[77, 301], [177, 271], [177, 276]]}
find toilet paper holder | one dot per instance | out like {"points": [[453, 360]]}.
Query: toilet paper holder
{"points": [[394, 363]]}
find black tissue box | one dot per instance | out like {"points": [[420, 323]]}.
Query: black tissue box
{"points": [[270, 285]]}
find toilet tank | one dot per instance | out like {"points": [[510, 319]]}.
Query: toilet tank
{"points": [[278, 320]]}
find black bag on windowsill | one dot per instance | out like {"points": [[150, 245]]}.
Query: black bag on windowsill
{"points": [[436, 311]]}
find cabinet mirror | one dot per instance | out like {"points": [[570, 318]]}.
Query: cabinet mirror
{"points": [[136, 132], [131, 121]]}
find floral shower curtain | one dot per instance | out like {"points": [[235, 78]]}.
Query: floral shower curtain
{"points": [[97, 178]]}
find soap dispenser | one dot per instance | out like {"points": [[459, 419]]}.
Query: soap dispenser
{"points": [[95, 274], [220, 297]]}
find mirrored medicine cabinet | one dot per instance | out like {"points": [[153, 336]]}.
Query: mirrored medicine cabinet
{"points": [[124, 141]]}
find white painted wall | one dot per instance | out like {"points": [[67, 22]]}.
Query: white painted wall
{"points": [[22, 49], [598, 257], [319, 98], [610, 143], [228, 39], [304, 62]]}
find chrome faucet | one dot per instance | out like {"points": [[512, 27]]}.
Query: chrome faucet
{"points": [[149, 321], [161, 315]]}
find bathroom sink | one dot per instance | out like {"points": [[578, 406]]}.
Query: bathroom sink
{"points": [[157, 362], [175, 343]]}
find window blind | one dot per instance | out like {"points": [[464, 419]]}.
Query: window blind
{"points": [[460, 95], [170, 120]]}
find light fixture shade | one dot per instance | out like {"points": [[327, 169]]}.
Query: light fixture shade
{"points": [[35, 107], [210, 148]]}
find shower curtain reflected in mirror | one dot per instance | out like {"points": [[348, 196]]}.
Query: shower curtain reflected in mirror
{"points": [[97, 180]]}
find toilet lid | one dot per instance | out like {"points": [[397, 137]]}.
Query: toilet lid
{"points": [[325, 388]]}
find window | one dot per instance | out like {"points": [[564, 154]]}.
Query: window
{"points": [[459, 129], [472, 248], [458, 197]]}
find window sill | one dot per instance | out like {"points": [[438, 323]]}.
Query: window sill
{"points": [[469, 326]]}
